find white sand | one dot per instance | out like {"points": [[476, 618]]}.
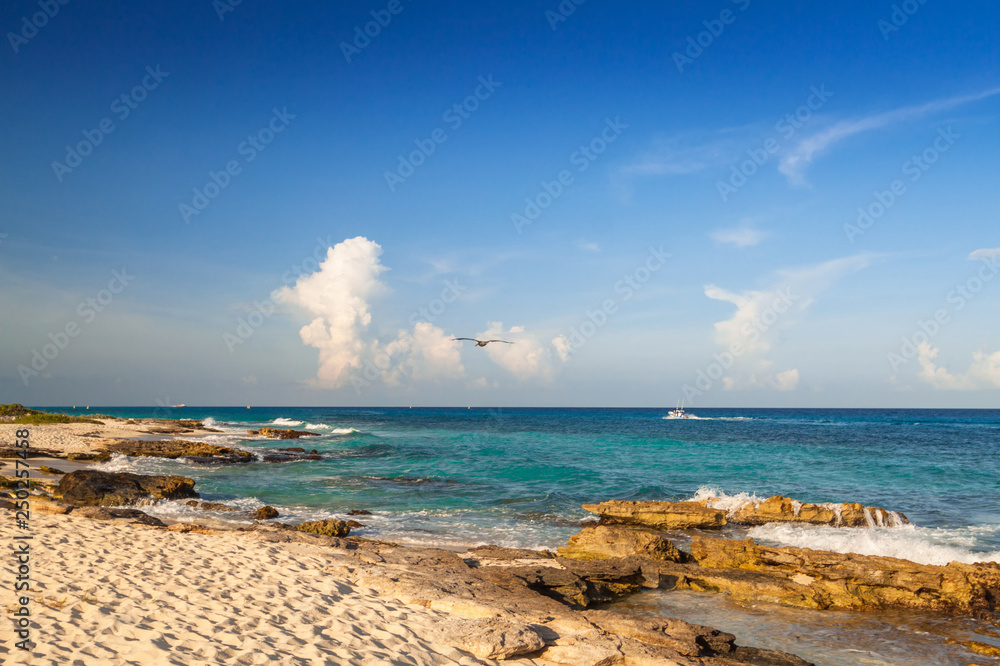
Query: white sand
{"points": [[84, 437], [119, 594]]}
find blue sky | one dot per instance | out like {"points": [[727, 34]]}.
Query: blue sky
{"points": [[250, 172]]}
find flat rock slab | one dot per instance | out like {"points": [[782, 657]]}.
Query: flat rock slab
{"points": [[489, 638], [661, 515], [606, 541]]}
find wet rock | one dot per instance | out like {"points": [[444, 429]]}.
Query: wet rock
{"points": [[603, 541], [820, 579], [289, 455], [353, 524], [45, 469], [281, 433], [265, 513], [197, 452], [93, 488], [93, 457], [103, 513], [488, 638], [660, 515], [329, 527], [780, 509], [210, 506], [359, 512]]}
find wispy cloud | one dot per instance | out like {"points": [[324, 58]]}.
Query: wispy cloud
{"points": [[794, 163], [587, 246], [984, 254], [738, 236], [761, 315]]}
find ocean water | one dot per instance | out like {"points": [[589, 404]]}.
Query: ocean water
{"points": [[517, 477]]}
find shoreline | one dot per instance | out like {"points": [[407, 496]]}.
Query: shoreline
{"points": [[70, 439]]}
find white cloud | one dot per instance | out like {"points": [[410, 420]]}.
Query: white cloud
{"points": [[588, 247], [985, 254], [251, 380], [739, 236], [794, 163], [754, 328], [984, 372], [527, 358], [563, 347], [338, 297]]}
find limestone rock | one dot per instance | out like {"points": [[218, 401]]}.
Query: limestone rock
{"points": [[329, 527], [489, 638], [607, 541], [821, 579], [281, 433], [197, 452], [103, 513], [661, 515], [45, 469], [210, 506], [94, 488], [266, 513], [780, 509]]}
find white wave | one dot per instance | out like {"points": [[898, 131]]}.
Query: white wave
{"points": [[692, 417], [208, 422], [286, 422], [117, 463], [717, 499], [926, 545], [344, 431]]}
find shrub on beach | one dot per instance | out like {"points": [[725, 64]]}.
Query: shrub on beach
{"points": [[21, 415]]}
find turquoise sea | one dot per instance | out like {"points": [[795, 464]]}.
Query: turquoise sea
{"points": [[517, 477]]}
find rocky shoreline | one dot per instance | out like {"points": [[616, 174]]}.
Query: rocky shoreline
{"points": [[541, 607]]}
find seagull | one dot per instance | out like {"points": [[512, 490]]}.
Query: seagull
{"points": [[483, 343]]}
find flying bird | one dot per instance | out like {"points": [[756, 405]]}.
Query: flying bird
{"points": [[483, 343]]}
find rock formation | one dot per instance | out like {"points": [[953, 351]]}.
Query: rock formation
{"points": [[93, 488], [660, 515], [265, 513], [197, 452], [603, 541], [780, 509], [820, 579], [329, 527], [281, 433]]}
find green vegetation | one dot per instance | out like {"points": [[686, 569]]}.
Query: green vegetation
{"points": [[25, 416]]}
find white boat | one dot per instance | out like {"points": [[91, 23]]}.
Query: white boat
{"points": [[678, 413]]}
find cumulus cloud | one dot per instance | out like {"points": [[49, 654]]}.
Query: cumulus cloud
{"points": [[337, 296], [739, 236], [527, 358], [983, 373], [794, 163], [749, 334]]}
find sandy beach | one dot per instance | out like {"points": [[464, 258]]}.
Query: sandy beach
{"points": [[122, 594]]}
